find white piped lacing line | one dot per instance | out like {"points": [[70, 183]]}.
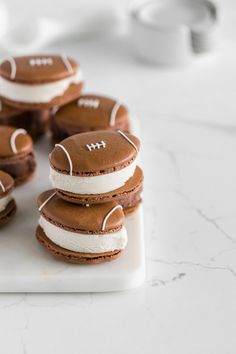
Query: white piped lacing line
{"points": [[2, 186], [55, 109], [113, 113], [109, 214], [40, 61], [13, 139], [128, 139], [98, 145], [13, 67], [46, 201], [67, 63], [68, 157], [89, 102]]}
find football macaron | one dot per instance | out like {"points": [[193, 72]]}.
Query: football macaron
{"points": [[16, 154], [97, 167], [80, 234], [40, 81], [35, 122], [7, 203], [88, 113]]}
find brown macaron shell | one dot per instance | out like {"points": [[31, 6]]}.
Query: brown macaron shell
{"points": [[78, 117], [19, 165], [7, 182], [65, 255], [37, 74], [79, 218], [7, 112], [7, 214], [23, 142], [21, 168], [117, 154], [36, 122], [131, 201], [7, 185]]}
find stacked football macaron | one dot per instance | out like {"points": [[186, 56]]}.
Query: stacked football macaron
{"points": [[96, 183], [31, 86]]}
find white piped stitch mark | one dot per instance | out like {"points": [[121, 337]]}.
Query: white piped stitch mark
{"points": [[108, 215], [2, 186], [13, 67], [88, 102], [113, 113], [46, 201], [128, 139], [67, 63], [55, 109], [98, 145], [68, 157], [40, 61], [13, 139]]}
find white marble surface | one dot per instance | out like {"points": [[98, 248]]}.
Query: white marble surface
{"points": [[187, 304]]}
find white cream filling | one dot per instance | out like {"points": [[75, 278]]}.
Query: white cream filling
{"points": [[39, 93], [84, 243], [93, 184], [4, 201]]}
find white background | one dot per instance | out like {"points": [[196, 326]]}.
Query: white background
{"points": [[187, 304]]}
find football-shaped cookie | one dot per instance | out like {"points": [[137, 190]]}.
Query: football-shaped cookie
{"points": [[39, 81], [87, 220], [88, 113], [80, 234], [97, 167], [94, 153]]}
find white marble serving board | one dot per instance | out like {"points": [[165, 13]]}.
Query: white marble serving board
{"points": [[25, 266]]}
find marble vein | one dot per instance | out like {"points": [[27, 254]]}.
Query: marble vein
{"points": [[14, 303], [157, 281], [203, 215], [195, 264]]}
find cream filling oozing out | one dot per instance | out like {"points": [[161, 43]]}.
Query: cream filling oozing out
{"points": [[39, 93], [93, 184], [84, 243], [4, 202]]}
